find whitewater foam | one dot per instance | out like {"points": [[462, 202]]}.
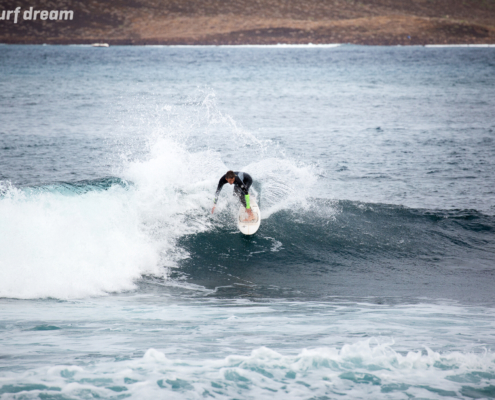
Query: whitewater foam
{"points": [[368, 368], [72, 246], [76, 240]]}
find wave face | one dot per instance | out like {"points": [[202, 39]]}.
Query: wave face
{"points": [[90, 238], [350, 248]]}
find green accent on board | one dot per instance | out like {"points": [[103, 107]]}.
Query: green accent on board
{"points": [[248, 204]]}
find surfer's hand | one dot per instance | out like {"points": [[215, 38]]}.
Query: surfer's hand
{"points": [[213, 209]]}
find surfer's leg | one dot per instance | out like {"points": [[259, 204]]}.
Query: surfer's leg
{"points": [[238, 193], [242, 198]]}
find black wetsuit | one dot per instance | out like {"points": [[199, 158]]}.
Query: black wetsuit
{"points": [[242, 183]]}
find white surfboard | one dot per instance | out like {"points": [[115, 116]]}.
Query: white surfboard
{"points": [[249, 227]]}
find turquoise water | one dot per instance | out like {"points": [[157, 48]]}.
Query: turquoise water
{"points": [[371, 276]]}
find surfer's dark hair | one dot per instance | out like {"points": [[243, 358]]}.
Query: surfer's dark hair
{"points": [[229, 175]]}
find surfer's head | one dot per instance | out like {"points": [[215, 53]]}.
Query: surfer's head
{"points": [[230, 176]]}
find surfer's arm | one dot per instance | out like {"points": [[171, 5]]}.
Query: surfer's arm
{"points": [[222, 182]]}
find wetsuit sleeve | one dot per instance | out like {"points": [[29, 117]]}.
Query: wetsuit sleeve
{"points": [[222, 182]]}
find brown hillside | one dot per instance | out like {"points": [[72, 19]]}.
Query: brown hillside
{"points": [[256, 22]]}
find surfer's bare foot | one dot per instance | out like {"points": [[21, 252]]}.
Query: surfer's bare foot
{"points": [[251, 216]]}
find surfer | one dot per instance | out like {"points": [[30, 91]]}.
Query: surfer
{"points": [[242, 181]]}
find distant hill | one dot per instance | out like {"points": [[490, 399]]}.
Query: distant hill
{"points": [[378, 22]]}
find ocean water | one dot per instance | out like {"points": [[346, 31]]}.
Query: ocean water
{"points": [[372, 275]]}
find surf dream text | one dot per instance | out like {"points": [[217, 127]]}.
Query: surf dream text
{"points": [[33, 15]]}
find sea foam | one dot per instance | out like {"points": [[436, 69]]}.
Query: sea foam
{"points": [[365, 369]]}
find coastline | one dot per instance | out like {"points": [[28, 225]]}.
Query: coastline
{"points": [[267, 22]]}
